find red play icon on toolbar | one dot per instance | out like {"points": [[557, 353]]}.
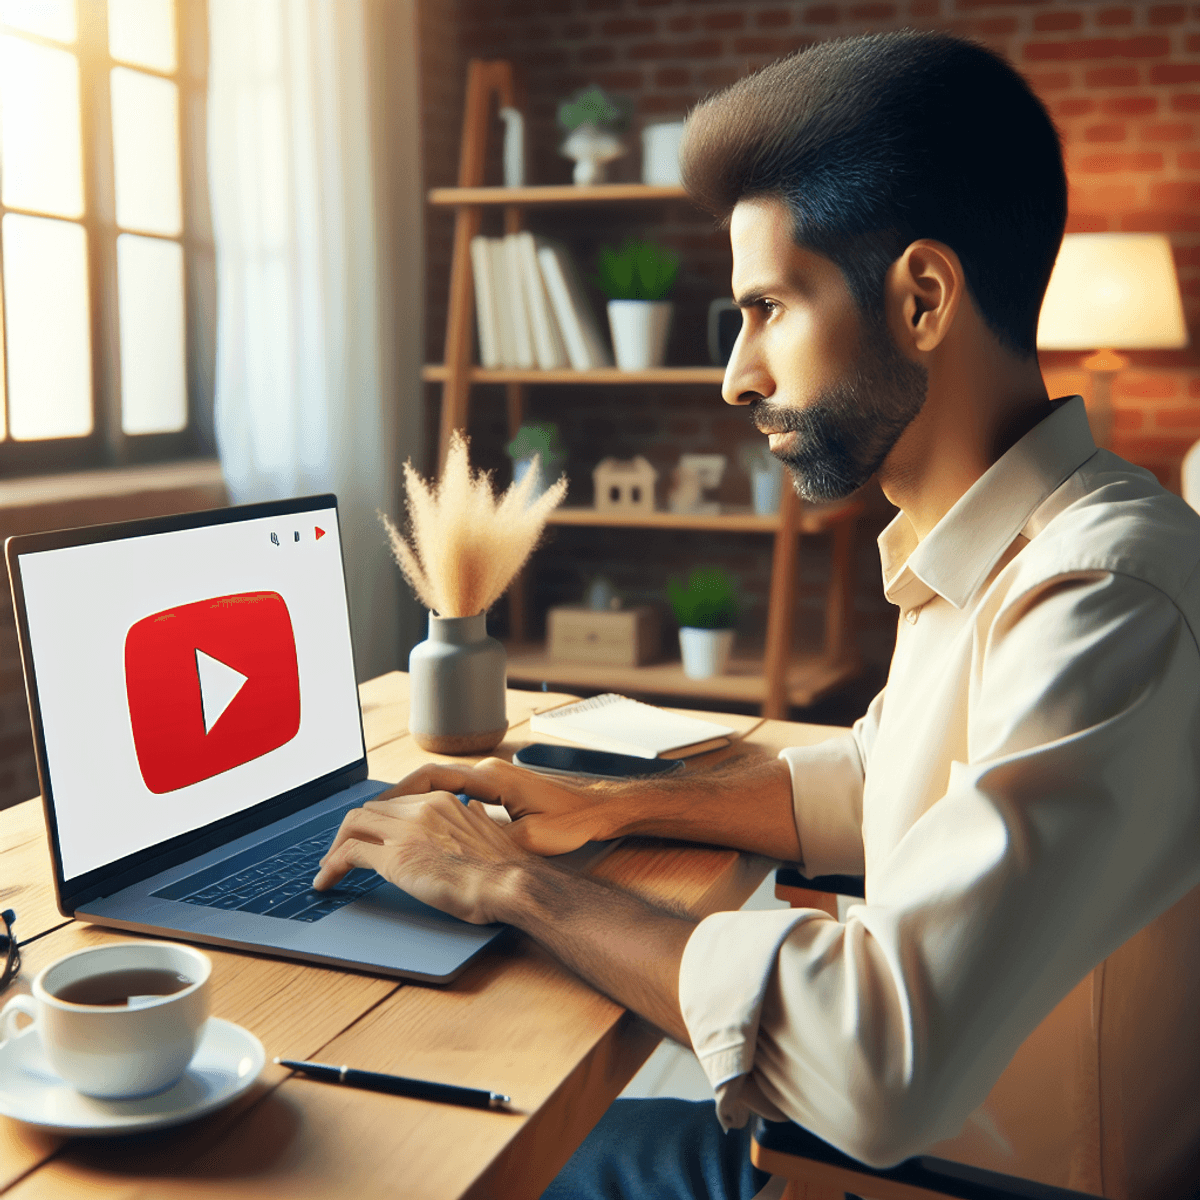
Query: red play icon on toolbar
{"points": [[211, 685], [320, 532]]}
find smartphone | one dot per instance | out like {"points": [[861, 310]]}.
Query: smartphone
{"points": [[595, 764]]}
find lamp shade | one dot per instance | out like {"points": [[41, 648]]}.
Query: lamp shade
{"points": [[1113, 290]]}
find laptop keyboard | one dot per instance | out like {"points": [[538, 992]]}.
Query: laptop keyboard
{"points": [[278, 885]]}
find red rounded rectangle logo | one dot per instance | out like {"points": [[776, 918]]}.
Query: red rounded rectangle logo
{"points": [[211, 685]]}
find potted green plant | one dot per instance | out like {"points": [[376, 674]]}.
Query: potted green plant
{"points": [[636, 279], [592, 120], [537, 440], [706, 608]]}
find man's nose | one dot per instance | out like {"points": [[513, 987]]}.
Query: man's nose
{"points": [[746, 376]]}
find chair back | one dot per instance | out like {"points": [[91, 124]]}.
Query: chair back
{"points": [[1104, 1096], [1190, 477]]}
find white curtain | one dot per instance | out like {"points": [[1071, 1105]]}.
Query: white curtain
{"points": [[313, 394]]}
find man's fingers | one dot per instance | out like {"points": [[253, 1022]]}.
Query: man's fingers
{"points": [[358, 822], [399, 806], [542, 837], [444, 777], [349, 854]]}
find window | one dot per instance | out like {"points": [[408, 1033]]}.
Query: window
{"points": [[106, 258]]}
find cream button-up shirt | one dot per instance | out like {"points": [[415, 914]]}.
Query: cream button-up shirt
{"points": [[1022, 797]]}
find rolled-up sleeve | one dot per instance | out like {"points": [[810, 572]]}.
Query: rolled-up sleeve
{"points": [[1073, 824], [827, 797]]}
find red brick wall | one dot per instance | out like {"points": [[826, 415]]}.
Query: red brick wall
{"points": [[1123, 84]]}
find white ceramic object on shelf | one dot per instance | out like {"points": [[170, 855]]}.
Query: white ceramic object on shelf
{"points": [[547, 474], [660, 153], [639, 332], [766, 486], [456, 687], [705, 652], [514, 147], [696, 474], [592, 149]]}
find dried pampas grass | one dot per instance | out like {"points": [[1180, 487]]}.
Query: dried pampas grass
{"points": [[465, 546]]}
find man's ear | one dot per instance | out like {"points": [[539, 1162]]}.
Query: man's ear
{"points": [[924, 288]]}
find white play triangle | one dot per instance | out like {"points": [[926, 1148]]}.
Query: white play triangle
{"points": [[218, 686]]}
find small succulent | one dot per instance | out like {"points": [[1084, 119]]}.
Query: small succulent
{"points": [[536, 437], [593, 106], [637, 271], [707, 601]]}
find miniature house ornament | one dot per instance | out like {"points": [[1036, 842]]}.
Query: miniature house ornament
{"points": [[624, 485]]}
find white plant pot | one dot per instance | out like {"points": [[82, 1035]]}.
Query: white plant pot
{"points": [[705, 652], [547, 474], [639, 332], [592, 149]]}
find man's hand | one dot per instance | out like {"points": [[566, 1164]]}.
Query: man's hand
{"points": [[743, 804], [444, 853], [456, 858], [548, 817]]}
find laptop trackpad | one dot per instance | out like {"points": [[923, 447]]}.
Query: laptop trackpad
{"points": [[387, 906]]}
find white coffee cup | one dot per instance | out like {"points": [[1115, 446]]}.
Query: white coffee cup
{"points": [[117, 1052]]}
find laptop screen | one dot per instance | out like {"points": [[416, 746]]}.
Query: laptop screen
{"points": [[187, 675]]}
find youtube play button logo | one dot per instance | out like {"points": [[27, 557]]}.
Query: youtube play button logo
{"points": [[211, 685]]}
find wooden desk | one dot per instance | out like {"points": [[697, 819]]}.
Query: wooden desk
{"points": [[515, 1021]]}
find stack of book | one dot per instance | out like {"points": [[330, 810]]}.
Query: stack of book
{"points": [[531, 307]]}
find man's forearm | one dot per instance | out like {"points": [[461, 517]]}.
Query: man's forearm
{"points": [[747, 807], [622, 945]]}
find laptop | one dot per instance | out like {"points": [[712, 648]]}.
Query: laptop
{"points": [[195, 715]]}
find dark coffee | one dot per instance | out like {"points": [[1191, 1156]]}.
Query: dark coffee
{"points": [[116, 989]]}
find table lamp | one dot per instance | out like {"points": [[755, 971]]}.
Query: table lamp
{"points": [[1111, 290]]}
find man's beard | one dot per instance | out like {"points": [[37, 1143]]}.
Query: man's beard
{"points": [[846, 432]]}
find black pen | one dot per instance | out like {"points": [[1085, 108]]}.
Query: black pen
{"points": [[398, 1085]]}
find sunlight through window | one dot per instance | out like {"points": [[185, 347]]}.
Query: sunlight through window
{"points": [[48, 338], [94, 307], [153, 382], [40, 144], [142, 32], [53, 19], [146, 151]]}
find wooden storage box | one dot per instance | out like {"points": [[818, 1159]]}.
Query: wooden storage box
{"points": [[625, 637]]}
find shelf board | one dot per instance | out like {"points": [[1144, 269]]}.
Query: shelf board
{"points": [[566, 193], [812, 519], [439, 372], [809, 677]]}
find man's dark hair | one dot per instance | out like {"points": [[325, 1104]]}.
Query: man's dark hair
{"points": [[873, 142]]}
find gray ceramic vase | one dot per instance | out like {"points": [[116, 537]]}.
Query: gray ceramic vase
{"points": [[456, 683]]}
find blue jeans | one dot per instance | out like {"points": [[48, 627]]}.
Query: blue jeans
{"points": [[660, 1150]]}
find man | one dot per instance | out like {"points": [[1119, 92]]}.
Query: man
{"points": [[1025, 793]]}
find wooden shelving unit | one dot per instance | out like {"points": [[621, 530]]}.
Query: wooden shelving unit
{"points": [[809, 520], [560, 194], [773, 679], [440, 373], [807, 679]]}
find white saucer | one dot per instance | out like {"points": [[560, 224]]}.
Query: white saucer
{"points": [[228, 1060]]}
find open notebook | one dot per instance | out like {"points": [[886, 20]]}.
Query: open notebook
{"points": [[625, 726]]}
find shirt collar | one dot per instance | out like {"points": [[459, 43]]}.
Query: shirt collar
{"points": [[961, 550]]}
